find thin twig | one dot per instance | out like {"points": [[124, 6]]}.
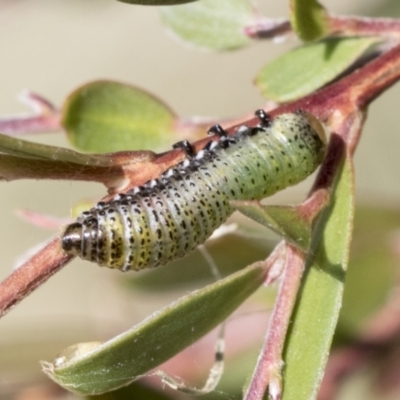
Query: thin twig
{"points": [[32, 274], [268, 369], [46, 117]]}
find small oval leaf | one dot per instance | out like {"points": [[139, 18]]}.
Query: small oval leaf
{"points": [[126, 357], [307, 68], [215, 25], [309, 19], [106, 116]]}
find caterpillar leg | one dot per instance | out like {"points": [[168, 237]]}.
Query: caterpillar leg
{"points": [[216, 371], [264, 118], [186, 147], [217, 130]]}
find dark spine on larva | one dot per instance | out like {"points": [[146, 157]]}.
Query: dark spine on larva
{"points": [[168, 217]]}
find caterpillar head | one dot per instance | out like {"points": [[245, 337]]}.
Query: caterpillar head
{"points": [[72, 239]]}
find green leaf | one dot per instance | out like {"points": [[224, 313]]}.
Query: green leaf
{"points": [[22, 159], [106, 116], [156, 2], [307, 68], [215, 25], [320, 298], [293, 223], [309, 19], [283, 220], [133, 353], [24, 150]]}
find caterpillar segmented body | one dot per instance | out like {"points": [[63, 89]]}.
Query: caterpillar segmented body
{"points": [[169, 216]]}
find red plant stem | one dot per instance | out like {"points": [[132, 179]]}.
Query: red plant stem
{"points": [[28, 125], [47, 117], [362, 26], [31, 275], [268, 28], [268, 368]]}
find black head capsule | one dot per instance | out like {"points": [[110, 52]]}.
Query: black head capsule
{"points": [[71, 240], [186, 147], [264, 118], [217, 130]]}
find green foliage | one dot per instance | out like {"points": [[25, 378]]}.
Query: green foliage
{"points": [[309, 19], [215, 25], [285, 221], [107, 116], [135, 352], [25, 150], [307, 68], [21, 159], [320, 298]]}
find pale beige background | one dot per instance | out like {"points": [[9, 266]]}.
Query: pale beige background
{"points": [[54, 46]]}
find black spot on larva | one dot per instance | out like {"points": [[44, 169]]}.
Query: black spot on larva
{"points": [[169, 216]]}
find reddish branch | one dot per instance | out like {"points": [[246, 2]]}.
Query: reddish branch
{"points": [[32, 274], [268, 369], [47, 117], [267, 28], [364, 26]]}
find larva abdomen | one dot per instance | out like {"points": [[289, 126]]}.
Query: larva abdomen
{"points": [[170, 216]]}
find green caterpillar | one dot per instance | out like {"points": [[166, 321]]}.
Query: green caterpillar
{"points": [[170, 216]]}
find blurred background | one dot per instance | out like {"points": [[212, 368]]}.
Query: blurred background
{"points": [[52, 47]]}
